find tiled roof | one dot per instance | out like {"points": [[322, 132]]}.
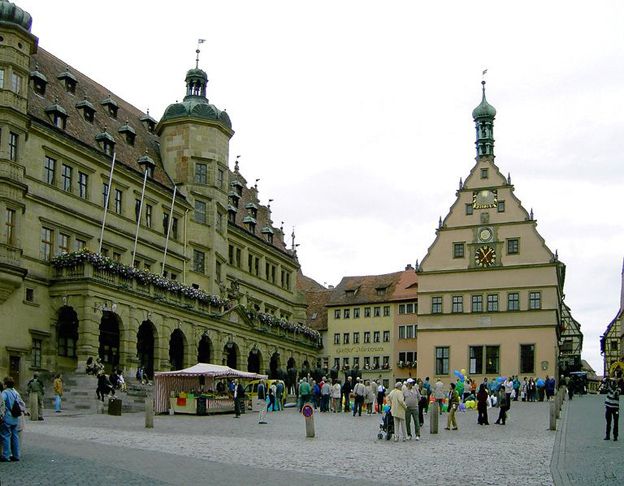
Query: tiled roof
{"points": [[85, 132], [407, 286], [305, 283], [365, 289], [316, 313]]}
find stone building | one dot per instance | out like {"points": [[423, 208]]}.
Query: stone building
{"points": [[188, 267], [490, 290]]}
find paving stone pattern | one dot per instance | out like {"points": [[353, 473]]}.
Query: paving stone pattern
{"points": [[345, 447]]}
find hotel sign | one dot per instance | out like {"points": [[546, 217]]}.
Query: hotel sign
{"points": [[360, 349]]}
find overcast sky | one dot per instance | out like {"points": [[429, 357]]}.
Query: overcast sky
{"points": [[356, 115]]}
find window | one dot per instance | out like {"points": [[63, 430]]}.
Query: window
{"points": [[346, 313], [105, 194], [218, 271], [527, 358], [386, 311], [83, 181], [79, 244], [366, 337], [513, 301], [475, 364], [337, 338], [1, 78], [336, 313], [442, 360], [67, 178], [201, 174], [118, 200], [535, 300], [220, 177], [116, 256], [484, 173], [458, 303], [49, 167], [337, 363], [477, 303], [401, 332], [436, 305], [458, 250], [13, 140], [410, 332], [10, 216], [30, 295], [469, 209], [386, 361], [377, 311], [199, 261], [381, 291], [137, 209], [376, 336], [501, 206], [513, 246], [16, 83], [46, 243], [366, 362], [356, 338], [63, 243], [375, 362], [345, 338], [200, 212], [401, 309], [492, 303], [386, 336], [402, 357], [410, 308], [356, 313], [367, 312], [36, 353], [492, 355], [614, 345], [345, 362], [148, 215], [219, 221]]}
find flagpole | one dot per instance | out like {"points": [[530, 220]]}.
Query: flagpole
{"points": [[175, 189], [108, 192], [136, 233]]}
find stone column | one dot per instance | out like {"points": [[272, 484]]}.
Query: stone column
{"points": [[89, 318], [129, 319]]}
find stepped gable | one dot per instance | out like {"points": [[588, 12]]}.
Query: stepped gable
{"points": [[364, 289], [84, 131], [250, 196]]}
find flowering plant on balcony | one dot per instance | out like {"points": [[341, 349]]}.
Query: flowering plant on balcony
{"points": [[272, 321], [101, 262]]}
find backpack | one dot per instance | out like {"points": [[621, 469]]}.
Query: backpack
{"points": [[16, 410]]}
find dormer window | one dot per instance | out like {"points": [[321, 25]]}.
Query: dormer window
{"points": [[232, 214], [148, 122], [57, 114], [128, 132], [88, 110], [349, 293], [111, 106], [106, 142], [238, 187], [68, 80], [268, 232], [251, 223], [253, 210], [233, 197], [381, 291], [39, 81]]}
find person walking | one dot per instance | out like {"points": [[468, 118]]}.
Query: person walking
{"points": [[482, 396], [439, 394], [381, 394], [58, 392], [347, 388], [453, 403], [9, 422], [272, 391], [612, 410], [397, 408], [503, 406], [427, 387], [304, 393], [336, 390], [261, 403], [325, 393], [279, 395], [371, 389], [359, 391], [411, 396], [35, 388]]}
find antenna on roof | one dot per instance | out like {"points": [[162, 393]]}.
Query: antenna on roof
{"points": [[197, 51]]}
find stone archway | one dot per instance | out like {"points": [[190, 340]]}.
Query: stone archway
{"points": [[204, 349], [109, 340], [67, 332], [274, 365], [146, 339], [230, 353], [254, 360], [177, 343]]}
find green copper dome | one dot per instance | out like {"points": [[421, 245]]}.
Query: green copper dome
{"points": [[195, 103], [484, 110], [9, 12]]}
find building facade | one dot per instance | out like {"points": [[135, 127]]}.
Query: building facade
{"points": [[612, 341], [188, 267], [490, 290], [405, 312]]}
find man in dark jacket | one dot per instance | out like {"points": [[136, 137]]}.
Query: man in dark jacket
{"points": [[239, 398], [35, 389], [346, 393], [612, 410]]}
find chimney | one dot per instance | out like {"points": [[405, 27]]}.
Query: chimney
{"points": [[409, 267]]}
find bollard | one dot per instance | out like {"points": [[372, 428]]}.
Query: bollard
{"points": [[33, 404], [434, 415], [149, 411], [553, 416], [308, 413]]}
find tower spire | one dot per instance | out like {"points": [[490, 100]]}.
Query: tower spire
{"points": [[483, 116]]}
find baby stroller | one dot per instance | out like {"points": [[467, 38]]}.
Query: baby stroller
{"points": [[386, 427]]}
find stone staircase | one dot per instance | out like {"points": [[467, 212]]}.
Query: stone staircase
{"points": [[79, 395]]}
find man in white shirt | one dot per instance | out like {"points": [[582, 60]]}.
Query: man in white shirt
{"points": [[359, 391]]}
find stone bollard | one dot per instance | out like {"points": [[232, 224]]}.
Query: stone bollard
{"points": [[149, 411], [33, 405], [308, 413], [434, 416], [553, 415]]}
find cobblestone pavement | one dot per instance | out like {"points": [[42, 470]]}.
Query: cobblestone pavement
{"points": [[184, 449], [581, 455]]}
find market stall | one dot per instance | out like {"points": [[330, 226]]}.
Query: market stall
{"points": [[194, 390]]}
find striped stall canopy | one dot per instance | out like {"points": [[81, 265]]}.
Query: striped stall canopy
{"points": [[166, 382]]}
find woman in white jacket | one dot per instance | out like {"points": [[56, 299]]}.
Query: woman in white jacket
{"points": [[335, 396]]}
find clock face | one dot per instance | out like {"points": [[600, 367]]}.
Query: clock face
{"points": [[485, 234], [485, 256], [485, 199]]}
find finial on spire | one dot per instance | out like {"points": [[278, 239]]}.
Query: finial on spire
{"points": [[236, 163], [256, 184], [440, 222], [531, 215], [282, 227], [461, 183], [197, 51], [292, 235], [509, 178]]}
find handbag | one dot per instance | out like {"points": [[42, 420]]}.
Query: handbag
{"points": [[16, 410]]}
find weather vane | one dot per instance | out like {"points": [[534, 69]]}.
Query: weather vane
{"points": [[197, 51], [483, 74]]}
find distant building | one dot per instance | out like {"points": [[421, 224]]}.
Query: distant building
{"points": [[225, 292], [612, 341], [490, 290]]}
